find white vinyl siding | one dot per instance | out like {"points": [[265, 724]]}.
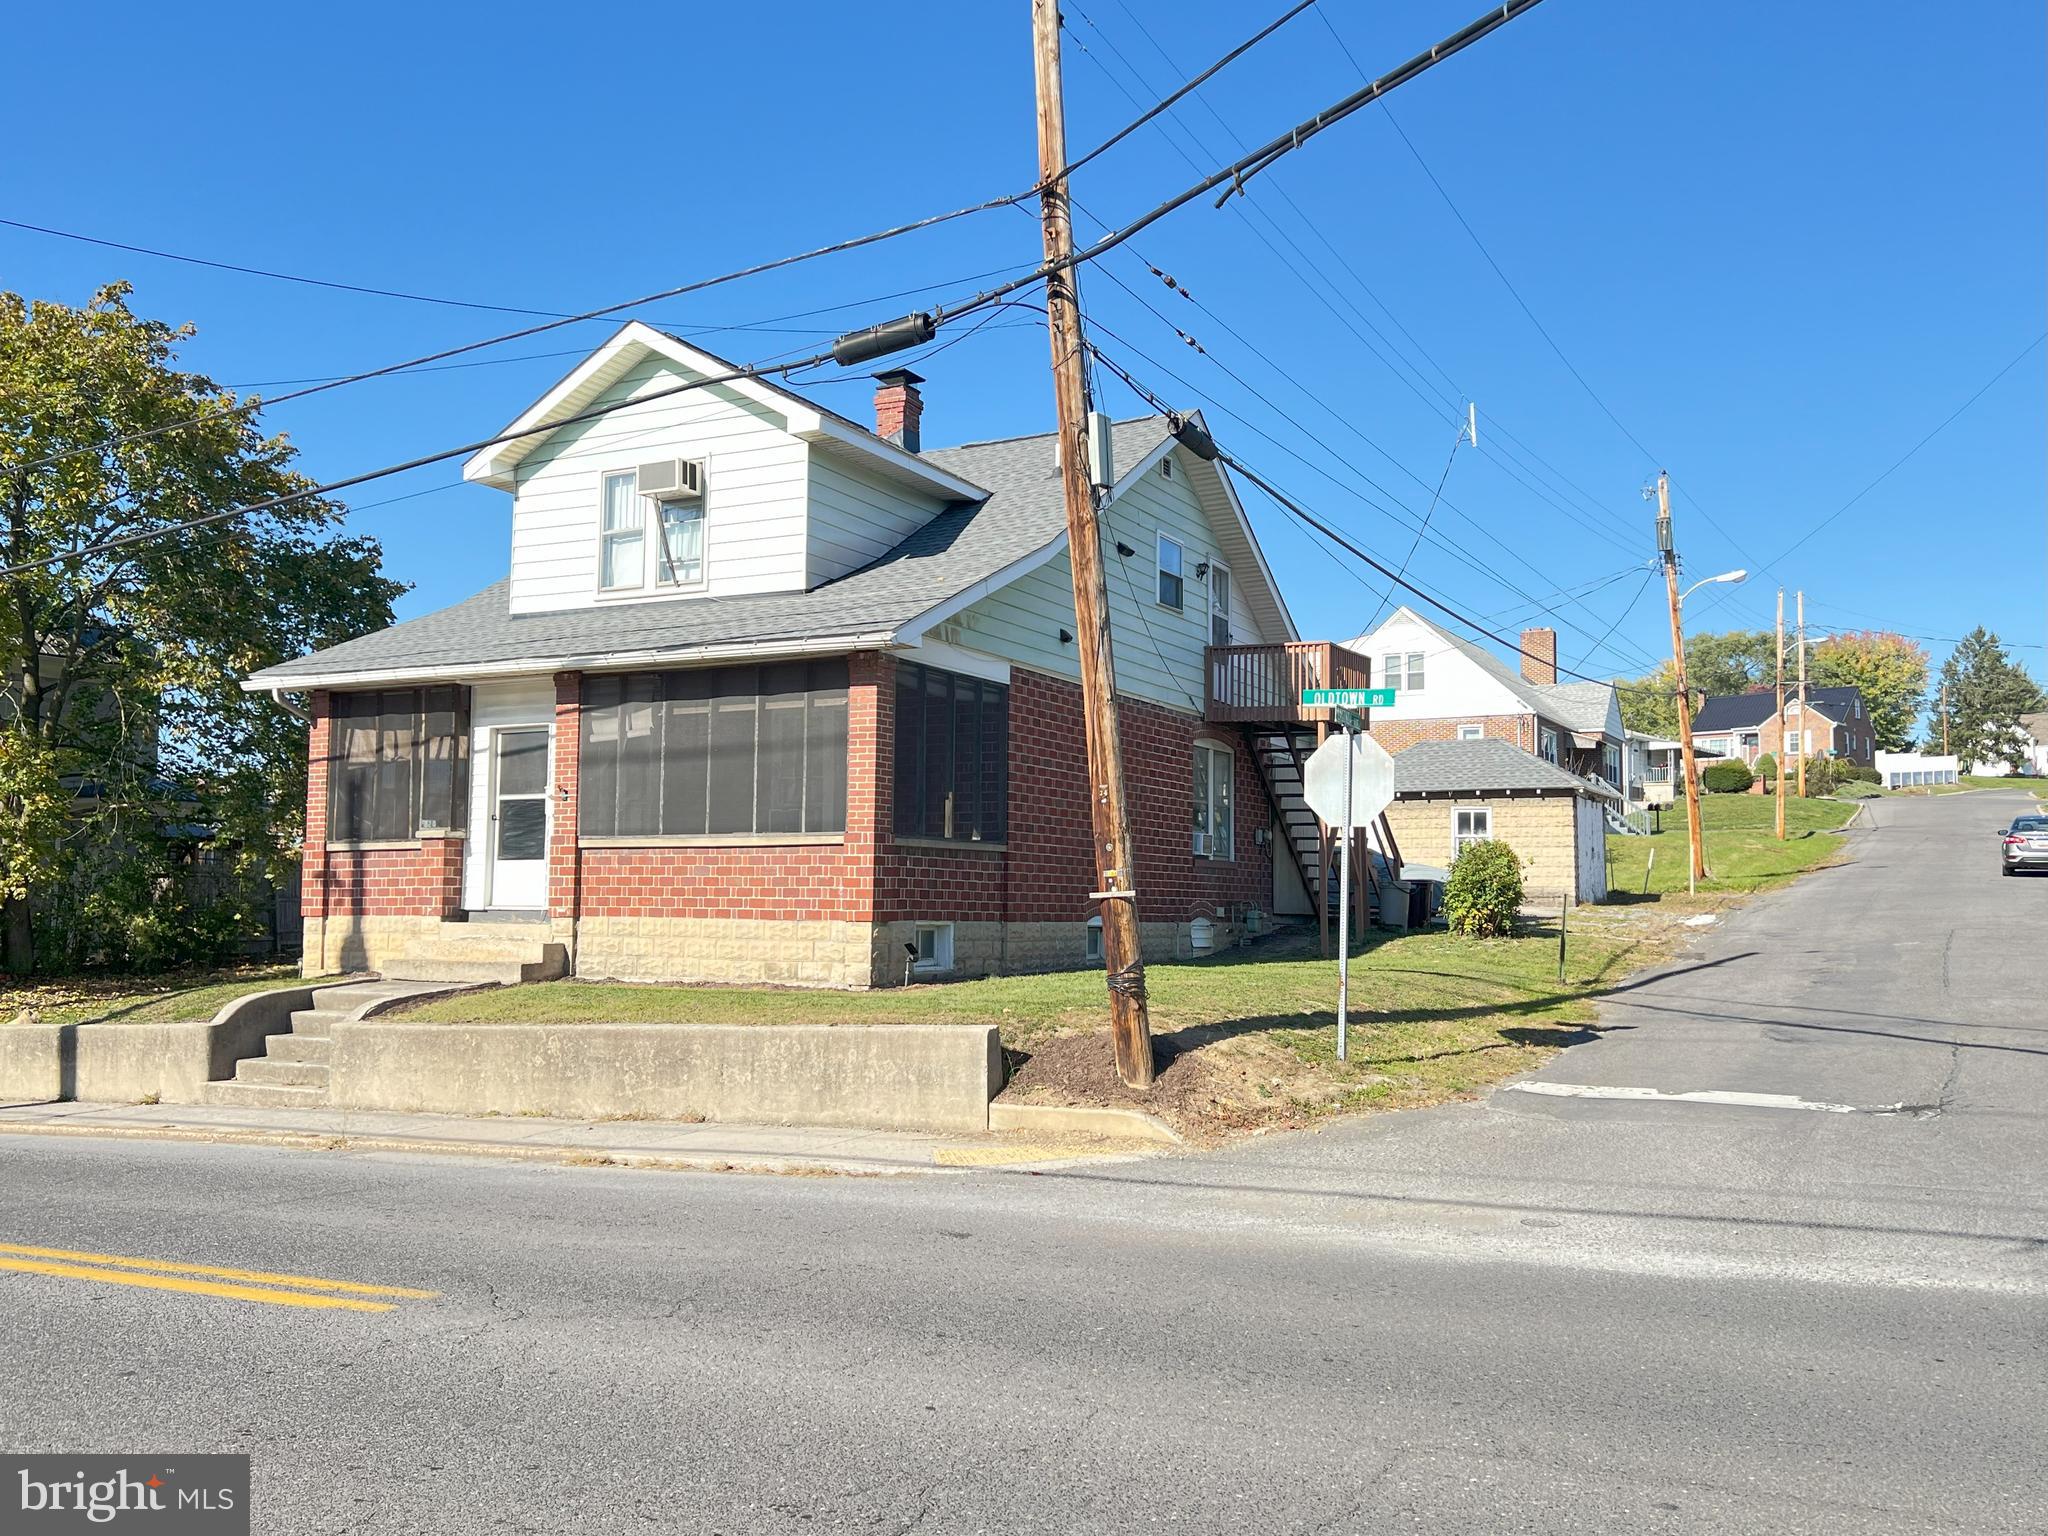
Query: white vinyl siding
{"points": [[1159, 653], [756, 478], [858, 516]]}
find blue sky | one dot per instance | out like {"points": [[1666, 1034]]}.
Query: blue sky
{"points": [[1780, 244]]}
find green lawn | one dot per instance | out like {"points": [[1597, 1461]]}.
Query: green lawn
{"points": [[1743, 852], [169, 999], [1433, 1017]]}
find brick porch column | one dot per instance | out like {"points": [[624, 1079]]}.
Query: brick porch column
{"points": [[313, 845], [565, 872], [870, 734]]}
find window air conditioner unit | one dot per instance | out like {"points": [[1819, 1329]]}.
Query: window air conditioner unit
{"points": [[671, 479], [1201, 845]]}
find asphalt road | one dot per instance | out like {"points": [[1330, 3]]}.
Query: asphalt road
{"points": [[1552, 1312]]}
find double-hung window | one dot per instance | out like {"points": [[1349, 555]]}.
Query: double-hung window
{"points": [[1548, 745], [1393, 673], [1215, 827], [1172, 574], [1468, 827], [622, 536], [1219, 604]]}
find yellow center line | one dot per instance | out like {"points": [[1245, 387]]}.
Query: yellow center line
{"points": [[193, 1287], [252, 1276]]}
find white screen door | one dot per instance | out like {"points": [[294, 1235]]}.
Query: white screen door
{"points": [[519, 818]]}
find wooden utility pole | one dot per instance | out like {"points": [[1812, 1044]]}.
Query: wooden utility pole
{"points": [[1802, 695], [1780, 775], [1665, 547], [1944, 719], [1130, 1027]]}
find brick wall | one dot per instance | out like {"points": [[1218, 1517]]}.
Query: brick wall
{"points": [[1399, 735], [1851, 740]]}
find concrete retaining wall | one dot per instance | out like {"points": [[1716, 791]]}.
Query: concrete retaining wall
{"points": [[894, 1077], [116, 1063]]}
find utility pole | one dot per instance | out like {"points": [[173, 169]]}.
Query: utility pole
{"points": [[1780, 786], [1698, 869], [1944, 719], [1130, 1028], [1802, 695]]}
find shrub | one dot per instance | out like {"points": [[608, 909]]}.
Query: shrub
{"points": [[1858, 789], [1485, 890], [1767, 768], [1867, 772], [1727, 778]]}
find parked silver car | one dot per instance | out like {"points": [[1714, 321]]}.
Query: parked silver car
{"points": [[2023, 845]]}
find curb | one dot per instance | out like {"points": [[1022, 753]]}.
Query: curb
{"points": [[569, 1156], [1082, 1120]]}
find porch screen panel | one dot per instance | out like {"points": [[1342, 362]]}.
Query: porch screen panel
{"points": [[398, 761], [720, 751], [952, 755]]}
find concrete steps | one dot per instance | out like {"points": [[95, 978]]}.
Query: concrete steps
{"points": [[292, 1072], [506, 953]]}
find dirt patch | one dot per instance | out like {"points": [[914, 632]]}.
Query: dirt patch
{"points": [[1206, 1095]]}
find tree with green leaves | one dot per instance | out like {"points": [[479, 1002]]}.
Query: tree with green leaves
{"points": [[1732, 662], [1890, 670], [1986, 693], [120, 706]]}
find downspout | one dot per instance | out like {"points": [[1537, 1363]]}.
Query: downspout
{"points": [[302, 716]]}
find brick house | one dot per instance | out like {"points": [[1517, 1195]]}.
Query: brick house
{"points": [[768, 695], [1451, 689], [1450, 793], [1745, 725]]}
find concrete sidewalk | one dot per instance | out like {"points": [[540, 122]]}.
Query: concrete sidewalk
{"points": [[628, 1143]]}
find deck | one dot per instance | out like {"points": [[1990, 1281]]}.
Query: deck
{"points": [[1262, 684]]}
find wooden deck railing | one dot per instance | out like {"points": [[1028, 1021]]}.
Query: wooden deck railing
{"points": [[1262, 684]]}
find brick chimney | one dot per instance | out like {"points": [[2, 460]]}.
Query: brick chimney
{"points": [[1539, 655], [899, 407]]}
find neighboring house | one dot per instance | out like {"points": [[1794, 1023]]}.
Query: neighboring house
{"points": [[1451, 689], [1745, 725], [1656, 768], [1914, 770], [1450, 793], [2034, 728], [768, 695]]}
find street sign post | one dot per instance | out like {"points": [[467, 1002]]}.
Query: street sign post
{"points": [[1348, 781], [1347, 698]]}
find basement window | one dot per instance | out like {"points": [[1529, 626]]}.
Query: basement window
{"points": [[1091, 943], [934, 948]]}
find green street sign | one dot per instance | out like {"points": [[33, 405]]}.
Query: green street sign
{"points": [[1347, 698]]}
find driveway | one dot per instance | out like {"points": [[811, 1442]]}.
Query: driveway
{"points": [[1552, 1311]]}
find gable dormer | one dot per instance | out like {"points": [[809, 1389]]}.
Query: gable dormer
{"points": [[675, 493]]}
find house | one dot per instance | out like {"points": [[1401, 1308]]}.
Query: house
{"points": [[2034, 746], [1914, 770], [763, 694], [1451, 689], [1655, 768], [1745, 725], [1450, 793]]}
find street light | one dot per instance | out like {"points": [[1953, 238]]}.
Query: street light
{"points": [[1733, 578]]}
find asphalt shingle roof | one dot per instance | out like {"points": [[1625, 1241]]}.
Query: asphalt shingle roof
{"points": [[964, 545], [1575, 706], [1479, 767], [1744, 711]]}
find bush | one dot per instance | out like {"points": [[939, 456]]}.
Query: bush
{"points": [[1866, 772], [1767, 768], [1485, 890], [1858, 789], [1727, 778]]}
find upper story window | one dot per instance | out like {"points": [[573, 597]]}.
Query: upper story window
{"points": [[1393, 674], [621, 534], [627, 560], [1548, 742], [1219, 604], [1172, 574]]}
